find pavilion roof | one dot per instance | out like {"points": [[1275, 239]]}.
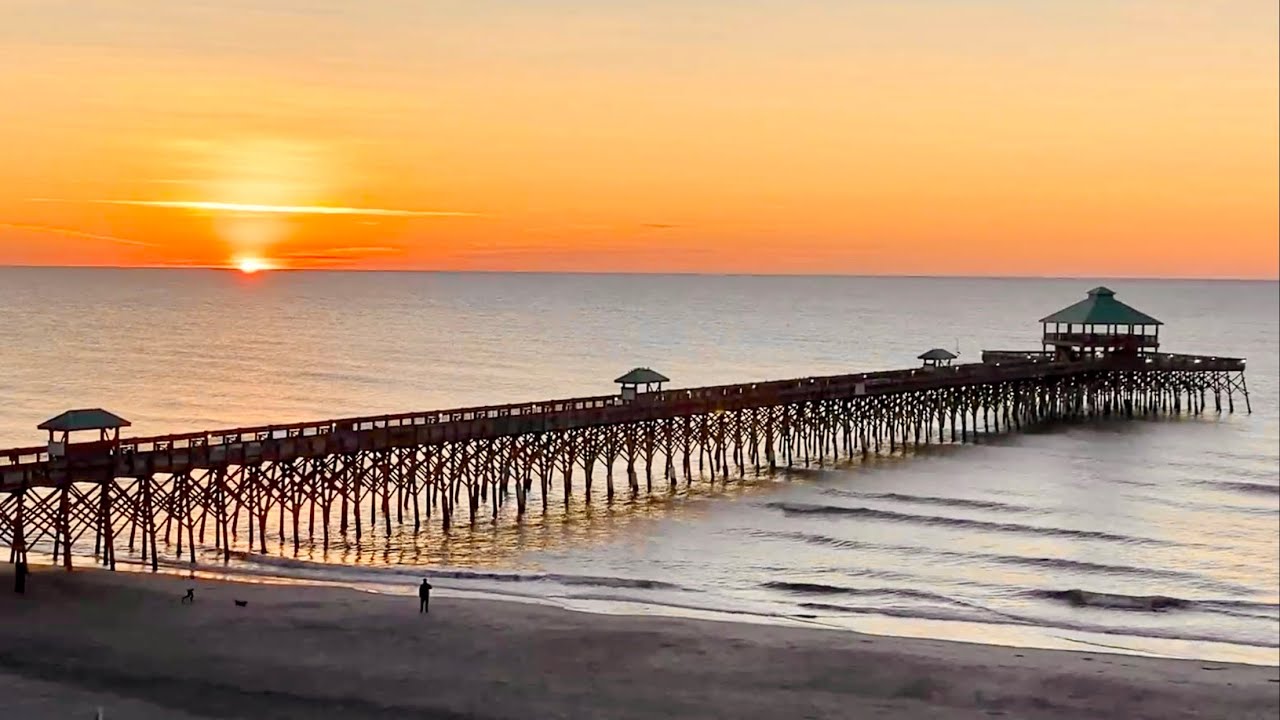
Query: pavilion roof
{"points": [[938, 354], [1101, 308], [84, 419], [642, 376]]}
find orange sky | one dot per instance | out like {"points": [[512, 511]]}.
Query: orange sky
{"points": [[990, 137]]}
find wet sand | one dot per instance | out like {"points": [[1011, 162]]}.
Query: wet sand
{"points": [[123, 642]]}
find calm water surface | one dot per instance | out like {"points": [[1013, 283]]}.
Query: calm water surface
{"points": [[975, 542]]}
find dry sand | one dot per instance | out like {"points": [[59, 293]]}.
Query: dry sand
{"points": [[122, 641]]}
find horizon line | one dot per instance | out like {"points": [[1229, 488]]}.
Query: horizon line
{"points": [[670, 273]]}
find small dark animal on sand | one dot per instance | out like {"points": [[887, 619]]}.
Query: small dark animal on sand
{"points": [[190, 597], [241, 603]]}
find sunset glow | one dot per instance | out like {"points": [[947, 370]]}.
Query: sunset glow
{"points": [[770, 137], [251, 265]]}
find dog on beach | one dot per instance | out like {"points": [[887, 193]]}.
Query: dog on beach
{"points": [[241, 603], [190, 597]]}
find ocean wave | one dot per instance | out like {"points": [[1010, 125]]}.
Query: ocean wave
{"points": [[459, 574], [1241, 486], [562, 579], [892, 516], [939, 607], [1085, 566], [1195, 505], [1115, 601], [804, 588], [1045, 563], [823, 540], [1251, 604], [1247, 609], [1242, 609], [954, 615], [933, 500], [990, 617], [1076, 597]]}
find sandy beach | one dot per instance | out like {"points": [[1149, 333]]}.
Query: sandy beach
{"points": [[123, 642]]}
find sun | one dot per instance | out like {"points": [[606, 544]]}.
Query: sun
{"points": [[250, 265]]}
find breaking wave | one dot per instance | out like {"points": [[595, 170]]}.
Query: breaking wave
{"points": [[1115, 601], [990, 617], [1251, 488], [1157, 603], [378, 574], [933, 500], [1045, 563], [892, 516], [802, 588]]}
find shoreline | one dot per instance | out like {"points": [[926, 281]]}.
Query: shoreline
{"points": [[124, 642], [995, 634]]}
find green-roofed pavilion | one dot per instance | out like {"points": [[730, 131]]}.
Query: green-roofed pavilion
{"points": [[60, 427], [937, 357], [86, 419], [1100, 325], [1101, 307], [642, 376]]}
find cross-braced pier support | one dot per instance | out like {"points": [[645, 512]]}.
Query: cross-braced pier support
{"points": [[281, 489]]}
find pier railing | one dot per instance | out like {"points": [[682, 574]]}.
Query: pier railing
{"points": [[1102, 339], [691, 399], [548, 415]]}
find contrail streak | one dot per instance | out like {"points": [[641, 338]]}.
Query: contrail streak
{"points": [[76, 233], [284, 209]]}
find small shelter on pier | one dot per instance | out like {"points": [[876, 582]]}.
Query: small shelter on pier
{"points": [[642, 376], [937, 357], [1100, 325], [107, 424]]}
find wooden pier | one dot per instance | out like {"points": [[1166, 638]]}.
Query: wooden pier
{"points": [[246, 488]]}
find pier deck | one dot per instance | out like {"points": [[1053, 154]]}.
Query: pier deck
{"points": [[178, 452], [427, 464]]}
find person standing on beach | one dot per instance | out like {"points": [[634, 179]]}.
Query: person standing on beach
{"points": [[424, 595], [20, 570], [20, 576]]}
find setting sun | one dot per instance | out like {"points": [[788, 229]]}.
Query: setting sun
{"points": [[250, 265]]}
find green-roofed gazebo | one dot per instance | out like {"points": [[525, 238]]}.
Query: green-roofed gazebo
{"points": [[937, 357], [1100, 325], [107, 424], [632, 381]]}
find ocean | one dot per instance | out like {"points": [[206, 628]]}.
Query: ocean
{"points": [[981, 542]]}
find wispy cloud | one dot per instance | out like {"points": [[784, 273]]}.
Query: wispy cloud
{"points": [[276, 209], [67, 232], [285, 209], [339, 254], [348, 250]]}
